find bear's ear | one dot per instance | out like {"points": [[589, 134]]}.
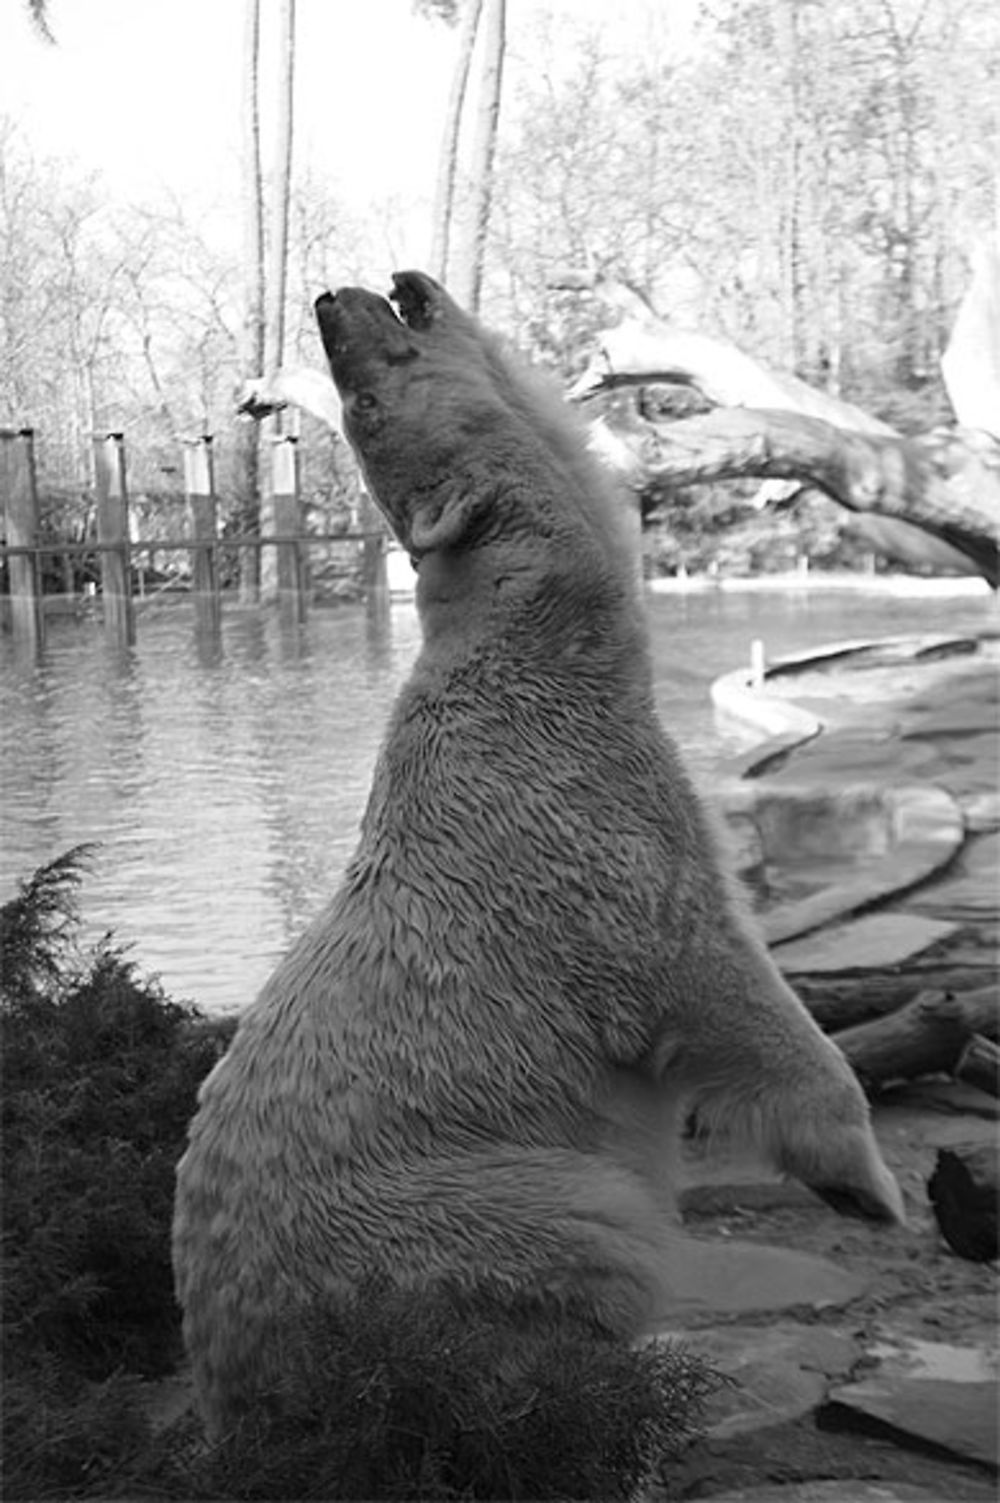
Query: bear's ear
{"points": [[418, 297], [451, 525]]}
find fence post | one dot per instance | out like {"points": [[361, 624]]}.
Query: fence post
{"points": [[112, 528], [203, 521], [374, 570], [287, 521], [20, 511]]}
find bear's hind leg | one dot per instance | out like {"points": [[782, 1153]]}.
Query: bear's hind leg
{"points": [[545, 1229]]}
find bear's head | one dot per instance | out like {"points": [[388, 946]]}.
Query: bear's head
{"points": [[418, 400], [482, 472]]}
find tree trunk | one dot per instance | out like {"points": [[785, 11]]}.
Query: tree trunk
{"points": [[444, 189], [979, 1065], [927, 1037], [276, 281], [935, 483], [933, 500], [971, 363], [786, 29], [840, 1002], [466, 274], [247, 457]]}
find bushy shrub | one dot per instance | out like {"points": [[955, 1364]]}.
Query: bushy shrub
{"points": [[399, 1397], [62, 1437], [99, 1077]]}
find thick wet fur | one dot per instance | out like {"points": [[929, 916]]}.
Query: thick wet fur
{"points": [[469, 1072]]}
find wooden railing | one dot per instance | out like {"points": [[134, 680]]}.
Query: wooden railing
{"points": [[24, 548]]}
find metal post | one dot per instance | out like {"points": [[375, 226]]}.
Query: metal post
{"points": [[112, 529], [287, 514], [203, 520], [20, 511]]}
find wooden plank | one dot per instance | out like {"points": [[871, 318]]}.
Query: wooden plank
{"points": [[20, 511], [203, 521], [112, 533], [287, 518]]}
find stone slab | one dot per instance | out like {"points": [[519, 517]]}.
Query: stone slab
{"points": [[927, 1393], [732, 1277], [876, 942], [779, 1372]]}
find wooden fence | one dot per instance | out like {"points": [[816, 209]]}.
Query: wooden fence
{"points": [[24, 548]]}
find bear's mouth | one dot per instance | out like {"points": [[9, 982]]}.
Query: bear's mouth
{"points": [[414, 303]]}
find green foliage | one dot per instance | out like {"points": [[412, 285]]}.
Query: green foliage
{"points": [[395, 1398], [63, 1438], [99, 1077], [37, 927]]}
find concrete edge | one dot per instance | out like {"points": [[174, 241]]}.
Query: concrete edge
{"points": [[929, 825], [782, 723]]}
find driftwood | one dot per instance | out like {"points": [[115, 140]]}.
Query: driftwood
{"points": [[936, 483], [926, 1037], [842, 1002], [933, 500], [979, 1065], [963, 1192], [645, 351]]}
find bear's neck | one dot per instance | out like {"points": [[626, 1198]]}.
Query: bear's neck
{"points": [[530, 615]]}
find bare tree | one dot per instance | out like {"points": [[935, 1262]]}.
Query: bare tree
{"points": [[466, 270], [252, 329], [444, 190], [277, 281], [464, 187]]}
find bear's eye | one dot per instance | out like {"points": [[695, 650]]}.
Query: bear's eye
{"points": [[366, 400]]}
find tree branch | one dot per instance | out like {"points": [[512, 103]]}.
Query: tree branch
{"points": [[934, 481]]}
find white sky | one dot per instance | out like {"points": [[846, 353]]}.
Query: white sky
{"points": [[148, 91]]}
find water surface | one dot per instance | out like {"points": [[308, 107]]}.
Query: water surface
{"points": [[226, 787]]}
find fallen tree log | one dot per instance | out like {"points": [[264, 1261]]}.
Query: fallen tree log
{"points": [[926, 1037], [979, 1065], [954, 521], [838, 1003], [646, 351], [936, 482]]}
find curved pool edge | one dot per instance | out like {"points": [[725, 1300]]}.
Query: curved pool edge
{"points": [[930, 826]]}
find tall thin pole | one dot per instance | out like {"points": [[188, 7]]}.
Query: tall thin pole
{"points": [[20, 512], [199, 488], [112, 533]]}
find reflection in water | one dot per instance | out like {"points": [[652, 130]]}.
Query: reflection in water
{"points": [[207, 629], [378, 628], [225, 780]]}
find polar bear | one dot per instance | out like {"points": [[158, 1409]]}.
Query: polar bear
{"points": [[469, 1074]]}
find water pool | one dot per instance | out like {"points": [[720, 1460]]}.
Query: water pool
{"points": [[226, 787]]}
